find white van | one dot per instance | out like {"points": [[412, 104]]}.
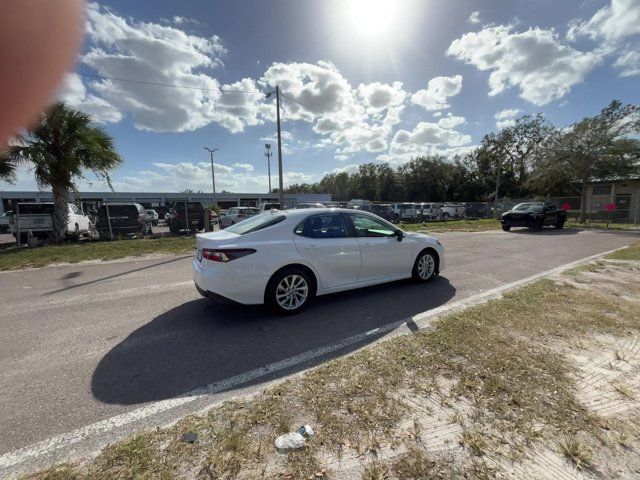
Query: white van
{"points": [[404, 211], [429, 211]]}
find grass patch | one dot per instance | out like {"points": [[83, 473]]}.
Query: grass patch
{"points": [[12, 259], [498, 360], [480, 225], [602, 225], [632, 252]]}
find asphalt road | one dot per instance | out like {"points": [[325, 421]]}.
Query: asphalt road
{"points": [[83, 343]]}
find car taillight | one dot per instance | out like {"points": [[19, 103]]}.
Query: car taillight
{"points": [[226, 255]]}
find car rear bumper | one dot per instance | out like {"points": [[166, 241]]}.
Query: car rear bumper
{"points": [[218, 280]]}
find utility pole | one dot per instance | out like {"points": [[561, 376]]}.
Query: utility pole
{"points": [[268, 154], [495, 199], [280, 185], [213, 175]]}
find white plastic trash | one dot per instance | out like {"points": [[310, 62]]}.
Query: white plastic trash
{"points": [[289, 441]]}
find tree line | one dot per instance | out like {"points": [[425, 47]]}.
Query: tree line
{"points": [[530, 158]]}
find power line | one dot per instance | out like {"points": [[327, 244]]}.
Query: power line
{"points": [[141, 82]]}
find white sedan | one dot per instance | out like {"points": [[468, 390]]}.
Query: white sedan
{"points": [[285, 258]]}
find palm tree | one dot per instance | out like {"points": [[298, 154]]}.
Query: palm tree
{"points": [[61, 147], [7, 170]]}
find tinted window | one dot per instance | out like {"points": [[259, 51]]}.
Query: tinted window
{"points": [[370, 227], [35, 208], [331, 225], [255, 223]]}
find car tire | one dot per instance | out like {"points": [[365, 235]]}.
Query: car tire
{"points": [[559, 225], [289, 291], [506, 228], [446, 216], [425, 266]]}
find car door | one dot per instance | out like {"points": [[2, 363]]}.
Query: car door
{"points": [[550, 215], [383, 256], [324, 241]]}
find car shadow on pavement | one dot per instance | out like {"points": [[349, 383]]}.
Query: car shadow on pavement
{"points": [[200, 343]]}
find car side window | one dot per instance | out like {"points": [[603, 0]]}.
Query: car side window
{"points": [[74, 209], [366, 226], [323, 226]]}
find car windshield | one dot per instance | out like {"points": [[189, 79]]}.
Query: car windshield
{"points": [[257, 222], [525, 207]]}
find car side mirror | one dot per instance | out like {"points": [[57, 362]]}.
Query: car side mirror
{"points": [[399, 235]]}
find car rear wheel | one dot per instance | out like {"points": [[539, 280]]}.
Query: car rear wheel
{"points": [[559, 225], [289, 291], [506, 228], [424, 268]]}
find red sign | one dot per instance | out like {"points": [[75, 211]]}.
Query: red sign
{"points": [[611, 207], [566, 206]]}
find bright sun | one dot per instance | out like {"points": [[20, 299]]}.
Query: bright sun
{"points": [[371, 17]]}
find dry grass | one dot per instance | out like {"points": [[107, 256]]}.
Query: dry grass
{"points": [[503, 360], [632, 252]]}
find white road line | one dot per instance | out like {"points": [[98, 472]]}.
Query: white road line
{"points": [[422, 320]]}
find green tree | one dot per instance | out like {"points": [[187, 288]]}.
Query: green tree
{"points": [[596, 147], [62, 146], [7, 170], [512, 150]]}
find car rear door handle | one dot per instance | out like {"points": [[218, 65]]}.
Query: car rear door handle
{"points": [[310, 247]]}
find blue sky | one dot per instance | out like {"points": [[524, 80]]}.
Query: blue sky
{"points": [[365, 81]]}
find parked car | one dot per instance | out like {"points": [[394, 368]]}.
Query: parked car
{"points": [[265, 207], [4, 221], [186, 216], [380, 209], [237, 214], [153, 217], [284, 259], [310, 205], [404, 211], [213, 217], [37, 218], [429, 211], [533, 215], [452, 210], [121, 220]]}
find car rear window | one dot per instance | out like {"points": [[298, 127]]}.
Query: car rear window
{"points": [[255, 223], [35, 208], [130, 211]]}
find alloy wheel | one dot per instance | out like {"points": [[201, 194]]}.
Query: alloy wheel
{"points": [[426, 266], [292, 292]]}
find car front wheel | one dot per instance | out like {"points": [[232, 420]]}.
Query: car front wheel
{"points": [[289, 291], [506, 228], [424, 268]]}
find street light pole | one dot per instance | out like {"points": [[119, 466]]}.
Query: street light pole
{"points": [[213, 175], [268, 154], [280, 182]]}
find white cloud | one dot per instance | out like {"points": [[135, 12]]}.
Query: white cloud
{"points": [[351, 168], [247, 167], [629, 63], [355, 120], [165, 54], [474, 18], [380, 96], [611, 23], [75, 94], [506, 118], [437, 91], [534, 60], [174, 177], [428, 138]]}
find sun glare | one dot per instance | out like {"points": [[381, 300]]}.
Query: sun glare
{"points": [[371, 17]]}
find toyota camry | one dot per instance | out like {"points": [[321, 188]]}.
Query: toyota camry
{"points": [[285, 258]]}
